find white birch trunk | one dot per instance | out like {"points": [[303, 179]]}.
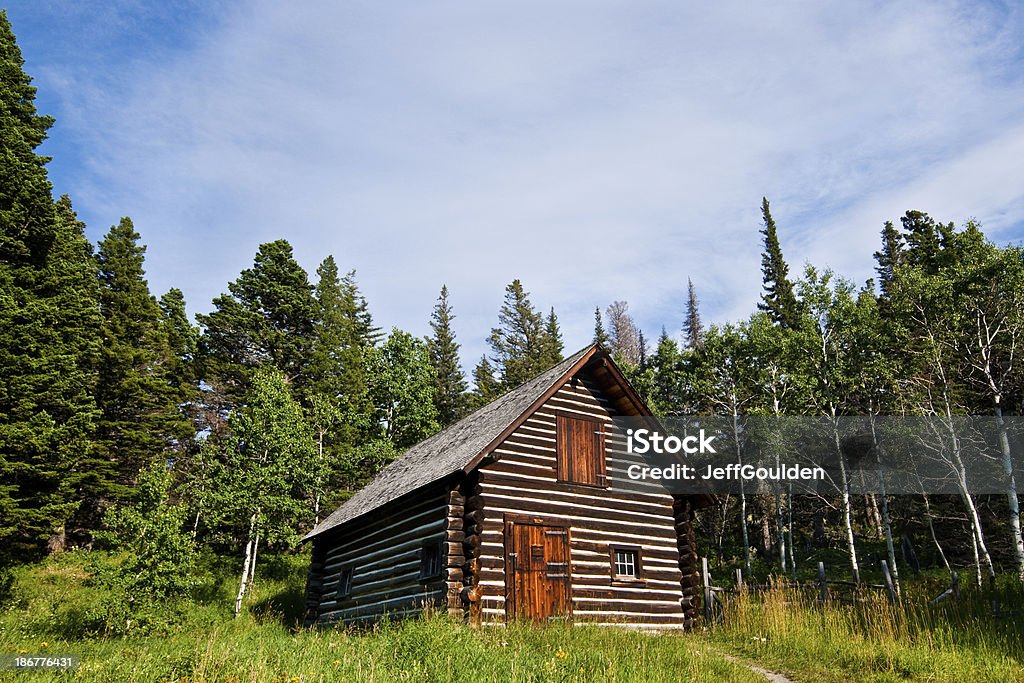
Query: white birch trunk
{"points": [[886, 519], [1013, 502], [847, 510], [245, 567], [931, 528], [252, 565]]}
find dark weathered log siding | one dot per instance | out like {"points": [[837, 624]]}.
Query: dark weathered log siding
{"points": [[384, 552]]}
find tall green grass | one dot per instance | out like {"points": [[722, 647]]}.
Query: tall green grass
{"points": [[871, 639], [51, 614]]}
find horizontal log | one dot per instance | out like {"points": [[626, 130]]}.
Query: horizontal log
{"points": [[383, 531], [618, 593], [496, 482], [622, 521], [629, 606], [653, 620]]}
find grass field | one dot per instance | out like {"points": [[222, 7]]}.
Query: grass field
{"points": [[874, 640], [56, 609]]}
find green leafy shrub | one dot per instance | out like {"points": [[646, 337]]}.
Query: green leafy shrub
{"points": [[153, 575]]}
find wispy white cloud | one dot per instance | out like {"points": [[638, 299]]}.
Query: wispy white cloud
{"points": [[598, 151]]}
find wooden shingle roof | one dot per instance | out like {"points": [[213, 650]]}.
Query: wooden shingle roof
{"points": [[460, 446]]}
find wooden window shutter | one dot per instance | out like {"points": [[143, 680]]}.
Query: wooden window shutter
{"points": [[580, 451]]}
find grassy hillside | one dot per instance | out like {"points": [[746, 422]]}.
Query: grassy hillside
{"points": [[57, 610], [58, 607]]}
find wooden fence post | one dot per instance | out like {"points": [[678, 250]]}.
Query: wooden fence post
{"points": [[822, 583], [739, 579], [707, 590], [955, 585]]}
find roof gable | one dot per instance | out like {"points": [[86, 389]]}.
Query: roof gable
{"points": [[461, 446]]}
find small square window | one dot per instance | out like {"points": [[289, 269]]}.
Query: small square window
{"points": [[430, 561], [625, 563], [345, 582]]}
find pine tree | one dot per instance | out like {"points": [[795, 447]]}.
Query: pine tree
{"points": [[342, 340], [266, 318], [552, 342], [518, 342], [26, 202], [600, 336], [183, 339], [692, 325], [666, 384], [139, 417], [47, 328], [449, 383], [924, 241], [889, 257], [485, 385], [642, 343], [778, 298]]}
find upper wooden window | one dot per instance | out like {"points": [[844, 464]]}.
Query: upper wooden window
{"points": [[580, 450]]}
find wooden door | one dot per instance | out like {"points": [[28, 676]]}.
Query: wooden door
{"points": [[538, 575]]}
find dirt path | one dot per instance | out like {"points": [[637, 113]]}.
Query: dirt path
{"points": [[770, 676]]}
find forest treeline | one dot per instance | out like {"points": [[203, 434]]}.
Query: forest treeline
{"points": [[125, 424]]}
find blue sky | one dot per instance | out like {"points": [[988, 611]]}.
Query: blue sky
{"points": [[596, 150]]}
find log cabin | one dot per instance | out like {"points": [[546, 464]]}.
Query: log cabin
{"points": [[515, 512]]}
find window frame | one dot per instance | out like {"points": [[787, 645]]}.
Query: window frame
{"points": [[428, 573], [344, 589], [563, 463], [638, 577]]}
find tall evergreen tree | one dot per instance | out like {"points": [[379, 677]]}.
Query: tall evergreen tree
{"points": [[182, 338], [778, 298], [48, 328], [600, 335], [342, 340], [889, 257], [692, 325], [642, 343], [26, 202], [485, 384], [266, 318], [667, 392], [925, 240], [520, 342], [552, 342], [139, 416], [450, 398]]}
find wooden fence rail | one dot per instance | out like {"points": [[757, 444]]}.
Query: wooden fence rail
{"points": [[713, 604]]}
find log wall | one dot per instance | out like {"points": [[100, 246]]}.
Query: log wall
{"points": [[522, 481], [383, 549]]}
